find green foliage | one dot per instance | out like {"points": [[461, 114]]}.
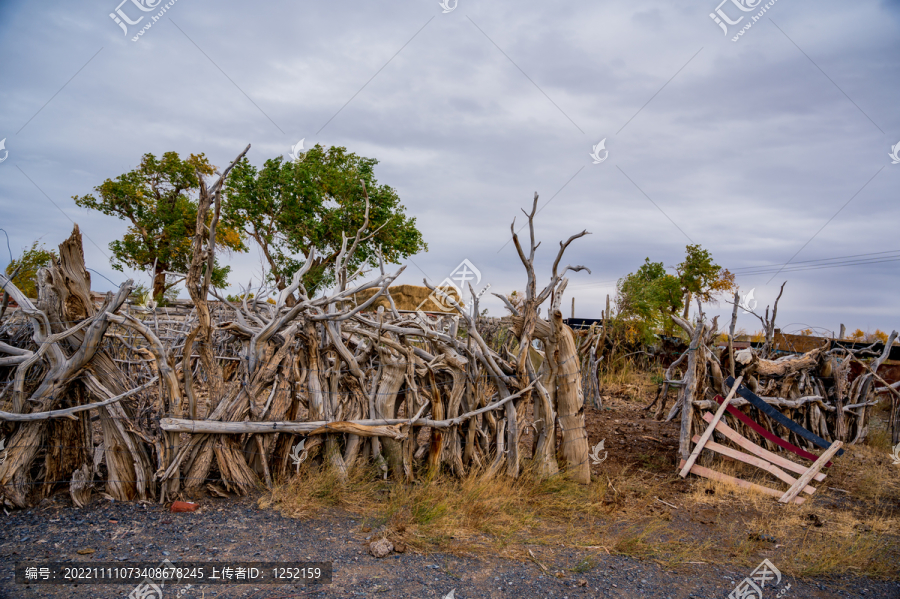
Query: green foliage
{"points": [[647, 299], [701, 277], [158, 200], [290, 207], [141, 294], [31, 260], [237, 299]]}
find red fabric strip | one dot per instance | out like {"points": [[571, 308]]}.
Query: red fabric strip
{"points": [[771, 437]]}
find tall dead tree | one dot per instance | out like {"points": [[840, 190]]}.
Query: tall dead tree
{"points": [[559, 395]]}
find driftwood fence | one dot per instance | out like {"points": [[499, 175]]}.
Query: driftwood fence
{"points": [[813, 390], [152, 405]]}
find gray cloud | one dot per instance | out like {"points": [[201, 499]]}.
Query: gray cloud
{"points": [[749, 149]]}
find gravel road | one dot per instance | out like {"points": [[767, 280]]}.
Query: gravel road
{"points": [[228, 530]]}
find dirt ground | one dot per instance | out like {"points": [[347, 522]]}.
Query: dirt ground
{"points": [[637, 531], [236, 529]]}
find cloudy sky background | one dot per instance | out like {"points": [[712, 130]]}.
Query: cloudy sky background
{"points": [[748, 148]]}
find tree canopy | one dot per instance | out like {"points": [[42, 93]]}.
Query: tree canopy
{"points": [[649, 297], [158, 200], [702, 278], [28, 264], [290, 207]]}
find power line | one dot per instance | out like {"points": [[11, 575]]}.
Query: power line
{"points": [[735, 270], [819, 267]]}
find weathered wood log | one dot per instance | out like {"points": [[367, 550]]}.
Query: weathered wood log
{"points": [[780, 402], [693, 379], [80, 487], [574, 446], [781, 368], [181, 425], [392, 378], [69, 412], [85, 340]]}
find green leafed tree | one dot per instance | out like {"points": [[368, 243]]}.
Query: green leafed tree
{"points": [[290, 207], [648, 298], [158, 199], [28, 264], [701, 277]]}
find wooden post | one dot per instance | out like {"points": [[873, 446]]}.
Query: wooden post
{"points": [[843, 331], [709, 429], [573, 307], [731, 335], [840, 425], [695, 376], [606, 320]]}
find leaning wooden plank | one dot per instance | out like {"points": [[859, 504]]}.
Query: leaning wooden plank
{"points": [[713, 475], [803, 480], [754, 461], [759, 451], [699, 443], [768, 435], [781, 419]]}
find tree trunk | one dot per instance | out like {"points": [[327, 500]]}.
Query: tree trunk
{"points": [[159, 282], [570, 403]]}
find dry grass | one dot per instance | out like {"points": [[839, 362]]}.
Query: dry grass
{"points": [[855, 529], [624, 378], [833, 532], [475, 511]]}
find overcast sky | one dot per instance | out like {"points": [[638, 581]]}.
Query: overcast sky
{"points": [[766, 150]]}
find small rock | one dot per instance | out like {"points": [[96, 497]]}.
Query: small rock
{"points": [[86, 551], [582, 582], [400, 548], [381, 548], [766, 538], [816, 520]]}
